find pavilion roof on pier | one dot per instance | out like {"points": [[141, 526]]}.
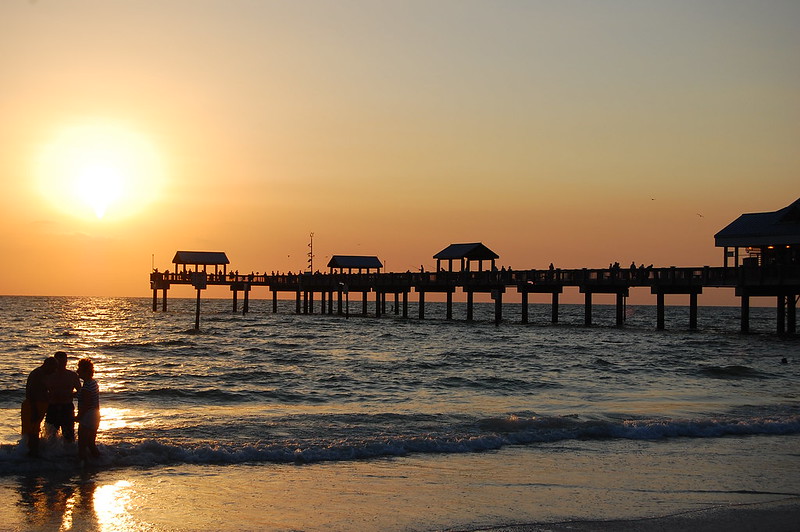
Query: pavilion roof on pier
{"points": [[200, 258], [781, 227], [473, 251], [354, 262]]}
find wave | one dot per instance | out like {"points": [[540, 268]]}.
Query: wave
{"points": [[486, 434], [731, 372]]}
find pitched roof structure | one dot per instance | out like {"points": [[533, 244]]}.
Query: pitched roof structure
{"points": [[473, 251], [353, 262], [200, 258], [781, 227]]}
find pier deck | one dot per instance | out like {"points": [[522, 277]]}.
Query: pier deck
{"points": [[780, 282]]}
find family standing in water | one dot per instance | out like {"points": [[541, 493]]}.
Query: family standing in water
{"points": [[49, 394]]}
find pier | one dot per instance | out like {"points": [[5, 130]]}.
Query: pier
{"points": [[330, 289], [765, 248]]}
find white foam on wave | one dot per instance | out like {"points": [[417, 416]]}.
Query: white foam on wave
{"points": [[490, 433]]}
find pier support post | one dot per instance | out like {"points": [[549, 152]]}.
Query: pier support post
{"points": [[449, 305], [693, 311], [197, 313], [554, 310], [364, 303], [781, 315], [235, 301], [587, 309], [155, 299], [274, 301], [310, 302], [745, 314], [405, 304], [339, 302], [470, 303], [246, 304], [524, 308], [498, 306], [660, 311], [620, 309], [297, 301], [378, 305], [163, 299], [396, 303], [422, 305], [791, 314]]}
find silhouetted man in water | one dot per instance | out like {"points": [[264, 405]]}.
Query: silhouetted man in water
{"points": [[34, 407], [62, 386]]}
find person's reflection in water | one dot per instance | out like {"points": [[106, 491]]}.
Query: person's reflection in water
{"points": [[57, 502], [66, 502]]}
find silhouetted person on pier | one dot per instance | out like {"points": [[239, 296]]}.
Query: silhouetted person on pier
{"points": [[62, 385], [34, 407]]}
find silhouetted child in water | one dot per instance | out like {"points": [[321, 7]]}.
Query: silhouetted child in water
{"points": [[88, 410]]}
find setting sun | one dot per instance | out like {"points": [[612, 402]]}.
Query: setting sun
{"points": [[98, 170]]}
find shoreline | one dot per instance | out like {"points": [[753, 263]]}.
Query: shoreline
{"points": [[774, 516]]}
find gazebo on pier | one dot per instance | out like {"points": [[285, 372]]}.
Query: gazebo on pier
{"points": [[201, 258], [466, 253], [767, 238], [361, 263]]}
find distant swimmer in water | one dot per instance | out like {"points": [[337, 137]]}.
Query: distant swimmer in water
{"points": [[88, 410], [34, 407], [62, 385]]}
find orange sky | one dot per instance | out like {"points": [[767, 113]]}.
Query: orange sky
{"points": [[578, 133]]}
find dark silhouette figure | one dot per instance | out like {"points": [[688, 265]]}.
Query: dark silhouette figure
{"points": [[34, 407], [62, 385]]}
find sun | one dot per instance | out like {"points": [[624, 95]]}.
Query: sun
{"points": [[100, 171]]}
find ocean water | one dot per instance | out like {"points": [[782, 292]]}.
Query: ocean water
{"points": [[311, 422]]}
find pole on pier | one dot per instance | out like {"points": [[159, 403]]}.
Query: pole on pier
{"points": [[197, 313], [587, 309], [498, 306], [745, 314], [693, 311], [660, 311], [524, 307], [620, 309], [449, 305], [554, 317]]}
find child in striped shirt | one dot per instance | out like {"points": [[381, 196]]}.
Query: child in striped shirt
{"points": [[88, 410]]}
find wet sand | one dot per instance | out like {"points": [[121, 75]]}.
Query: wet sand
{"points": [[778, 516]]}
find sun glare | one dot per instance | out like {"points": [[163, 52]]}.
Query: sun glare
{"points": [[99, 171]]}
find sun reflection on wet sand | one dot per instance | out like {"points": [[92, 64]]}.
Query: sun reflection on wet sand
{"points": [[111, 503]]}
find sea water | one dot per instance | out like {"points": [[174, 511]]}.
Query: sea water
{"points": [[284, 421]]}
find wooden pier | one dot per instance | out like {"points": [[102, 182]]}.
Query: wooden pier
{"points": [[765, 248], [331, 289]]}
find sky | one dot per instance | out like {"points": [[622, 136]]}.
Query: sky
{"points": [[573, 132]]}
